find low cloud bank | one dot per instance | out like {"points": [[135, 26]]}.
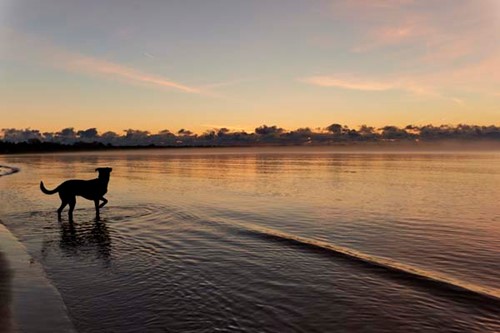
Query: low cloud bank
{"points": [[270, 135]]}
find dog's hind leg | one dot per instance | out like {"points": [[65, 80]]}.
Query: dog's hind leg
{"points": [[104, 201], [60, 209], [97, 216], [72, 203]]}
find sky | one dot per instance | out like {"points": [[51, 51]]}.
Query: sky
{"points": [[164, 64]]}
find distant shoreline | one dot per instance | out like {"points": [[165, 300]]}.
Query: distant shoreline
{"points": [[395, 145], [10, 170]]}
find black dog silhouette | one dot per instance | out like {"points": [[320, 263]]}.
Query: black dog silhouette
{"points": [[93, 189]]}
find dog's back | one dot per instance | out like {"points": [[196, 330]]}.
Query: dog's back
{"points": [[89, 189]]}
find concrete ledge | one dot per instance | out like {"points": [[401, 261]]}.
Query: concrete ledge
{"points": [[28, 301]]}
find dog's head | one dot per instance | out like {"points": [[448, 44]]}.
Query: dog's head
{"points": [[104, 171]]}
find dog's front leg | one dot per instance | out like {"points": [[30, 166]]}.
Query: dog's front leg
{"points": [[96, 203], [104, 201]]}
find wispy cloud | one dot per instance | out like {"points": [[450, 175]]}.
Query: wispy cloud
{"points": [[417, 86], [112, 70], [457, 101], [49, 54], [354, 84], [431, 50], [386, 36], [226, 83], [444, 31], [218, 126], [351, 82]]}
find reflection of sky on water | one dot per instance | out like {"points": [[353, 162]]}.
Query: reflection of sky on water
{"points": [[175, 231]]}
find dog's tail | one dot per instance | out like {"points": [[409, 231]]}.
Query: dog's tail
{"points": [[44, 190]]}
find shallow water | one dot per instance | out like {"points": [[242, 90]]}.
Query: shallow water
{"points": [[289, 239]]}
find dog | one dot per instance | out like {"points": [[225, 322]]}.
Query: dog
{"points": [[93, 189]]}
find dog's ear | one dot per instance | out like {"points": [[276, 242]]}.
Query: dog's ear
{"points": [[97, 169]]}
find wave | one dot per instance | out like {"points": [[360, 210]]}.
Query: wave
{"points": [[408, 271], [6, 170]]}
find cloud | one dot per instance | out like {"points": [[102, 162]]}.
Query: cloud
{"points": [[31, 49], [227, 83], [231, 127], [409, 84], [457, 100], [390, 35], [428, 49], [51, 55], [421, 86], [430, 31], [353, 84], [91, 65]]}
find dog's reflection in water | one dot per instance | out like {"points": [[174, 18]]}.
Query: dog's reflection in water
{"points": [[84, 238]]}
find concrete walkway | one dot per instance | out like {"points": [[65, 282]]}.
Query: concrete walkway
{"points": [[28, 301]]}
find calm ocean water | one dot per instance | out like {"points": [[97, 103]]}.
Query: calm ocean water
{"points": [[268, 240]]}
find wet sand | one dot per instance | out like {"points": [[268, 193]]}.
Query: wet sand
{"points": [[28, 301]]}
